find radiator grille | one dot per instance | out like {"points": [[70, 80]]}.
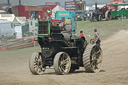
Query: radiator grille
{"points": [[43, 28]]}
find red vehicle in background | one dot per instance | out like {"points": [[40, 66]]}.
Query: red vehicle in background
{"points": [[104, 12]]}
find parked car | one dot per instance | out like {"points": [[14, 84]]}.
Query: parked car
{"points": [[81, 15], [7, 30]]}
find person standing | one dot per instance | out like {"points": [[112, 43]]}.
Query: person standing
{"points": [[96, 37]]}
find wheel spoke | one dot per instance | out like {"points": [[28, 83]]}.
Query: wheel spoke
{"points": [[96, 59], [61, 68], [95, 66], [39, 70], [99, 62], [61, 63], [36, 68], [40, 58], [36, 59], [98, 51], [66, 61], [64, 56]]}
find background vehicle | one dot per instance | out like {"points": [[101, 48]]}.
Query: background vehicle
{"points": [[100, 13], [120, 11], [69, 18], [81, 15], [7, 30], [64, 50]]}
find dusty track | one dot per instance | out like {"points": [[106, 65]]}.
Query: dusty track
{"points": [[14, 70]]}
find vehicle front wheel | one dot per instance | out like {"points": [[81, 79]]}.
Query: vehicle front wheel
{"points": [[36, 64], [62, 63]]}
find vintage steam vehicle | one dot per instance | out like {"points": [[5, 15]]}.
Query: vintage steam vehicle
{"points": [[100, 13], [62, 49]]}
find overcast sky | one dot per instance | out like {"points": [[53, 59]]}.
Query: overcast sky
{"points": [[42, 2]]}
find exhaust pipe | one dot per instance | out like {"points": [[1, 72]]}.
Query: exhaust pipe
{"points": [[96, 6], [124, 1], [8, 2], [19, 2]]}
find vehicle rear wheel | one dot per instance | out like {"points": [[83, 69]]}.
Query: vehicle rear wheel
{"points": [[92, 17], [100, 18], [92, 58], [62, 63], [36, 64], [108, 15]]}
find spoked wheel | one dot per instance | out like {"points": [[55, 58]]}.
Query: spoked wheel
{"points": [[36, 64], [62, 63], [108, 15], [100, 17], [92, 17], [92, 58]]}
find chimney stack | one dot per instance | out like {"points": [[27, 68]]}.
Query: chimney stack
{"points": [[19, 2], [8, 2], [124, 1], [96, 6]]}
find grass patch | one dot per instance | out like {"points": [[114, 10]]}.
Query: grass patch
{"points": [[19, 52], [105, 28]]}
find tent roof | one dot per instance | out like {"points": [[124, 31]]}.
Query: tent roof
{"points": [[123, 4], [1, 11], [11, 18], [100, 6], [57, 8]]}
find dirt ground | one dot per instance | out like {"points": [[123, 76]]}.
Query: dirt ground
{"points": [[14, 70]]}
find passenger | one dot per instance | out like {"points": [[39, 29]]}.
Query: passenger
{"points": [[82, 35], [96, 37]]}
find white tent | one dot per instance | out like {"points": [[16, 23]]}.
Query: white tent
{"points": [[10, 17], [57, 8], [99, 6], [87, 8], [17, 23], [2, 11]]}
